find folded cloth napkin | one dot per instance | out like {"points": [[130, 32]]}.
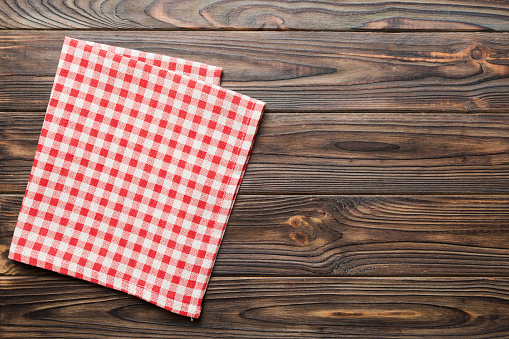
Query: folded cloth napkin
{"points": [[135, 174], [192, 69]]}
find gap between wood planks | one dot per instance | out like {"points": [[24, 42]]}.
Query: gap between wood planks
{"points": [[353, 30]]}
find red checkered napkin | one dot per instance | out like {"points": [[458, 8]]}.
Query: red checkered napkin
{"points": [[192, 69], [135, 175]]}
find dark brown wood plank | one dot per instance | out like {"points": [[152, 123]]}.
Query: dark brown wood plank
{"points": [[260, 307], [346, 235], [319, 153], [297, 71], [439, 15]]}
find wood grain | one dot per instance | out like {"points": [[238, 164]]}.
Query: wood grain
{"points": [[438, 15], [319, 153], [263, 307], [346, 235], [297, 71], [358, 216]]}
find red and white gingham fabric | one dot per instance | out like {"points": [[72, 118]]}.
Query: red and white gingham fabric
{"points": [[192, 69], [135, 175]]}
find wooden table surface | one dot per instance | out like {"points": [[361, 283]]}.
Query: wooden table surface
{"points": [[376, 200]]}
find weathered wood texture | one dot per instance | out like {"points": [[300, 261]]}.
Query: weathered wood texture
{"points": [[358, 216], [346, 235], [439, 15], [297, 71], [262, 307], [342, 154]]}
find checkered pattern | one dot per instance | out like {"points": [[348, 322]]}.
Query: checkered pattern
{"points": [[135, 175], [192, 69]]}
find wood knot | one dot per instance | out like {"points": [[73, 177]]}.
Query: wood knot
{"points": [[472, 107], [300, 238], [476, 53], [269, 21], [314, 227], [305, 229]]}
